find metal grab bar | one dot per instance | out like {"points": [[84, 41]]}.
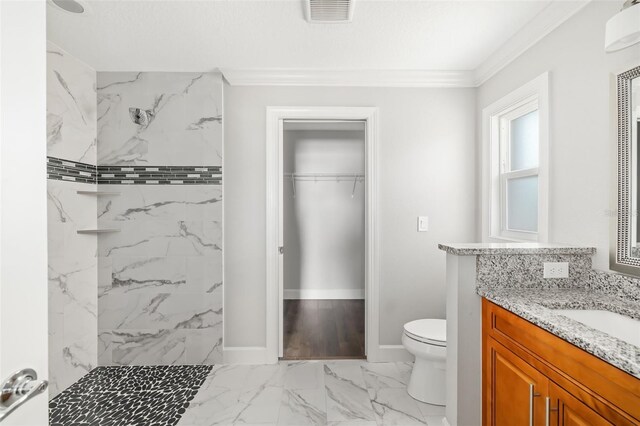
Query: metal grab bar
{"points": [[20, 387]]}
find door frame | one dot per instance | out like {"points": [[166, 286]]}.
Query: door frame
{"points": [[274, 219], [23, 200]]}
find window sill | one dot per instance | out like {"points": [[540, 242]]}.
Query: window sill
{"points": [[511, 239]]}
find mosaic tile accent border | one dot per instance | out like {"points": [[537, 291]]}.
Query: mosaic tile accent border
{"points": [[160, 175], [131, 395], [72, 171]]}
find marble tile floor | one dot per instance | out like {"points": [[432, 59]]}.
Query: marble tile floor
{"points": [[347, 393], [335, 393]]}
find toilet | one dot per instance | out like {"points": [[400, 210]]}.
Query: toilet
{"points": [[426, 339]]}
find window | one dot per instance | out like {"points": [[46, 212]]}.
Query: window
{"points": [[515, 143]]}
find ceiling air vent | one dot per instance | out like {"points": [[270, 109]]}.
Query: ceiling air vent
{"points": [[329, 11]]}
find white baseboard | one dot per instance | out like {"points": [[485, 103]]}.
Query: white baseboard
{"points": [[393, 353], [291, 294], [245, 355]]}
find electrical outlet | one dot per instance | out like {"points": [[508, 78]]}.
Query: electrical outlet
{"points": [[556, 269], [423, 223]]}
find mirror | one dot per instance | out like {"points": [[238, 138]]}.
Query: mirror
{"points": [[625, 252], [634, 124]]}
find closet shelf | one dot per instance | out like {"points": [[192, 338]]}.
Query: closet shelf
{"points": [[98, 192], [97, 231]]}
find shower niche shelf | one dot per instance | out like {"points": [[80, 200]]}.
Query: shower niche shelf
{"points": [[98, 192], [97, 231]]}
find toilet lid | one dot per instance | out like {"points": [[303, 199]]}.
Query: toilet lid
{"points": [[432, 331]]}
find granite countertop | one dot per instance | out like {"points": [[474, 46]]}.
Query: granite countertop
{"points": [[470, 249], [536, 306]]}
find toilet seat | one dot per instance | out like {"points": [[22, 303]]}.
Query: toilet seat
{"points": [[429, 331]]}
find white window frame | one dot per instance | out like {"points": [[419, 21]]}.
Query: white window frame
{"points": [[495, 153]]}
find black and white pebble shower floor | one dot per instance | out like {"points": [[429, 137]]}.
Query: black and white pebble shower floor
{"points": [[128, 395]]}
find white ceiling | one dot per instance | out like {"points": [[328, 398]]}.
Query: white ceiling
{"points": [[188, 35]]}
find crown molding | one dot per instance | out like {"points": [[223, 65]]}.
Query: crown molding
{"points": [[357, 78], [550, 18]]}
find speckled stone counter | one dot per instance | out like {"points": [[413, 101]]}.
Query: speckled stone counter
{"points": [[474, 249], [512, 276], [536, 306]]}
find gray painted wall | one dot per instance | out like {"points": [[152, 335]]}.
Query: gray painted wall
{"points": [[427, 167], [323, 225], [580, 143]]}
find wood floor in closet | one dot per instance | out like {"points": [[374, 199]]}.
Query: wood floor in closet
{"points": [[324, 329]]}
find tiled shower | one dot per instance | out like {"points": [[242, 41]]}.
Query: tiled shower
{"points": [[135, 218]]}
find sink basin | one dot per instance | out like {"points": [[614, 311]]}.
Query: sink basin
{"points": [[616, 325]]}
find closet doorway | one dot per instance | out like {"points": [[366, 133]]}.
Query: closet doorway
{"points": [[324, 297], [324, 239]]}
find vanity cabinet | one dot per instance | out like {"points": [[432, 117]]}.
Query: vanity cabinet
{"points": [[515, 385], [567, 410], [532, 377]]}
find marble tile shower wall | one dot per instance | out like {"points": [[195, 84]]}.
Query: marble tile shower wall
{"points": [[186, 128], [160, 277], [160, 282], [73, 265], [71, 107]]}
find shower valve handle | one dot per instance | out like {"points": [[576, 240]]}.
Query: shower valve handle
{"points": [[20, 387]]}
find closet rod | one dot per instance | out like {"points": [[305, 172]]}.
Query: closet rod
{"points": [[324, 175], [320, 121], [315, 176]]}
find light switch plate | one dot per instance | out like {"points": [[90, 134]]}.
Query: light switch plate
{"points": [[423, 223], [556, 269]]}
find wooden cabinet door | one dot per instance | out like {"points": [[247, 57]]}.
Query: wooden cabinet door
{"points": [[567, 410], [516, 390]]}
